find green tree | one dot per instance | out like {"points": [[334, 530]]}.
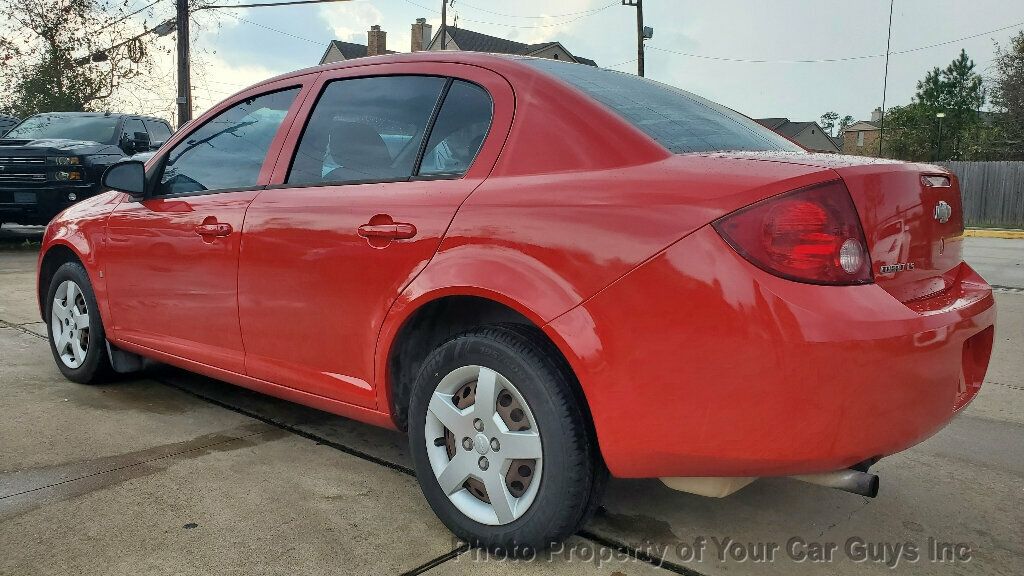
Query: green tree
{"points": [[828, 122], [1005, 138], [844, 123], [914, 131], [67, 55]]}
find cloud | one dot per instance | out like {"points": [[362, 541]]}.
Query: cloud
{"points": [[351, 20]]}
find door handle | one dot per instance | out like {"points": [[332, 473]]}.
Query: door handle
{"points": [[213, 229], [392, 231]]}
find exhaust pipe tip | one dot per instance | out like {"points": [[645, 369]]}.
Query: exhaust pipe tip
{"points": [[853, 481], [868, 485]]}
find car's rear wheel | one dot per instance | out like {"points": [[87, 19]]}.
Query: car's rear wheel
{"points": [[501, 445], [77, 338]]}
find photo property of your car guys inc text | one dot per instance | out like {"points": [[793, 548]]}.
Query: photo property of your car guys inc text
{"points": [[591, 287]]}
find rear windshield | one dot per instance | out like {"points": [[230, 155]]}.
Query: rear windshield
{"points": [[71, 127], [676, 119]]}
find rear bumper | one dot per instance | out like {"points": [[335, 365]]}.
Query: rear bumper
{"points": [[699, 364], [39, 205]]}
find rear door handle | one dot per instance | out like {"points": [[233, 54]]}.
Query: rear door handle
{"points": [[392, 231], [213, 229]]}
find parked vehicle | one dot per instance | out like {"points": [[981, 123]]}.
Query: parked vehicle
{"points": [[50, 161], [541, 271], [6, 123]]}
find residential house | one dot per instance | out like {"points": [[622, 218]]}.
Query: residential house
{"points": [[861, 138], [463, 39], [458, 39], [807, 134], [376, 43]]}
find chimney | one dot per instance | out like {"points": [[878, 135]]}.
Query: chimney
{"points": [[376, 41], [876, 114], [421, 34]]}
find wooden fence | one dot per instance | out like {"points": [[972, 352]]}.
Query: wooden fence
{"points": [[993, 193]]}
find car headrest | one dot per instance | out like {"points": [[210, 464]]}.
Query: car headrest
{"points": [[359, 147]]}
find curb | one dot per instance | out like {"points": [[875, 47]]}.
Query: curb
{"points": [[993, 233]]}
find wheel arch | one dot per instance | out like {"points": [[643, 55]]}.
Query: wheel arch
{"points": [[423, 325], [55, 256]]}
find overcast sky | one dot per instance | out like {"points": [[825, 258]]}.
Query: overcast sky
{"points": [[235, 48]]}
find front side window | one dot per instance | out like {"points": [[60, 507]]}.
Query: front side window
{"points": [[458, 132], [366, 130], [228, 151], [158, 131]]}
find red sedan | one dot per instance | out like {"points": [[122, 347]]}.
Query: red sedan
{"points": [[544, 272]]}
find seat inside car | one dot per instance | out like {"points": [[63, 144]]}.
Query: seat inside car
{"points": [[359, 151]]}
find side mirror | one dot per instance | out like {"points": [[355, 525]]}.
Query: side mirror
{"points": [[127, 176]]}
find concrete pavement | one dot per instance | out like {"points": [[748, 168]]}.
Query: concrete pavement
{"points": [[172, 473]]}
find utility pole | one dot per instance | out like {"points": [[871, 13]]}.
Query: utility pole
{"points": [[444, 24], [885, 81], [184, 73], [642, 33]]}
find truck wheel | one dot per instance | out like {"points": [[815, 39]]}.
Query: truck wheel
{"points": [[77, 339], [502, 450]]}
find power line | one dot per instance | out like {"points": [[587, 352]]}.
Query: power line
{"points": [[590, 11], [825, 60], [265, 4], [123, 18], [267, 27]]}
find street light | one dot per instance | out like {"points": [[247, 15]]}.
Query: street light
{"points": [[938, 148]]}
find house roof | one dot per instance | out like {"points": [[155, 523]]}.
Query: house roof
{"points": [[349, 50], [771, 123], [478, 42], [785, 126], [791, 130], [863, 125]]}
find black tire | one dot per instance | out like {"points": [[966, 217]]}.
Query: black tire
{"points": [[573, 474], [95, 368]]}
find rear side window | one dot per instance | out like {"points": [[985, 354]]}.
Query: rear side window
{"points": [[458, 132], [366, 130], [678, 120], [228, 151]]}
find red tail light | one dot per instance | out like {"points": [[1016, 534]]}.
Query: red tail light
{"points": [[809, 235]]}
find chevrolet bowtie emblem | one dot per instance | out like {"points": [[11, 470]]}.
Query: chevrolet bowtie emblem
{"points": [[943, 211]]}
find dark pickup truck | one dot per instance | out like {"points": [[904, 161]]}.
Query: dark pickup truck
{"points": [[50, 161]]}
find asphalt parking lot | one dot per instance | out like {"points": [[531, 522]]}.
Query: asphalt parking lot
{"points": [[172, 473]]}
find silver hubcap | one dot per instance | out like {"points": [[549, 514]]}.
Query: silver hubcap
{"points": [[484, 445], [69, 324]]}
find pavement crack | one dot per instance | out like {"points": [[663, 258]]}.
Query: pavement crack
{"points": [[637, 554], [21, 328], [204, 447], [597, 539], [1011, 386], [866, 502], [435, 562], [294, 430]]}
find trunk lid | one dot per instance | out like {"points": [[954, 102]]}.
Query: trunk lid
{"points": [[914, 231]]}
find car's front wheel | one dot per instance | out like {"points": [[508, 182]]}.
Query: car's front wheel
{"points": [[77, 339], [501, 445]]}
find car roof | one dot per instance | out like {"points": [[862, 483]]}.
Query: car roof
{"points": [[118, 115], [106, 114], [483, 59]]}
